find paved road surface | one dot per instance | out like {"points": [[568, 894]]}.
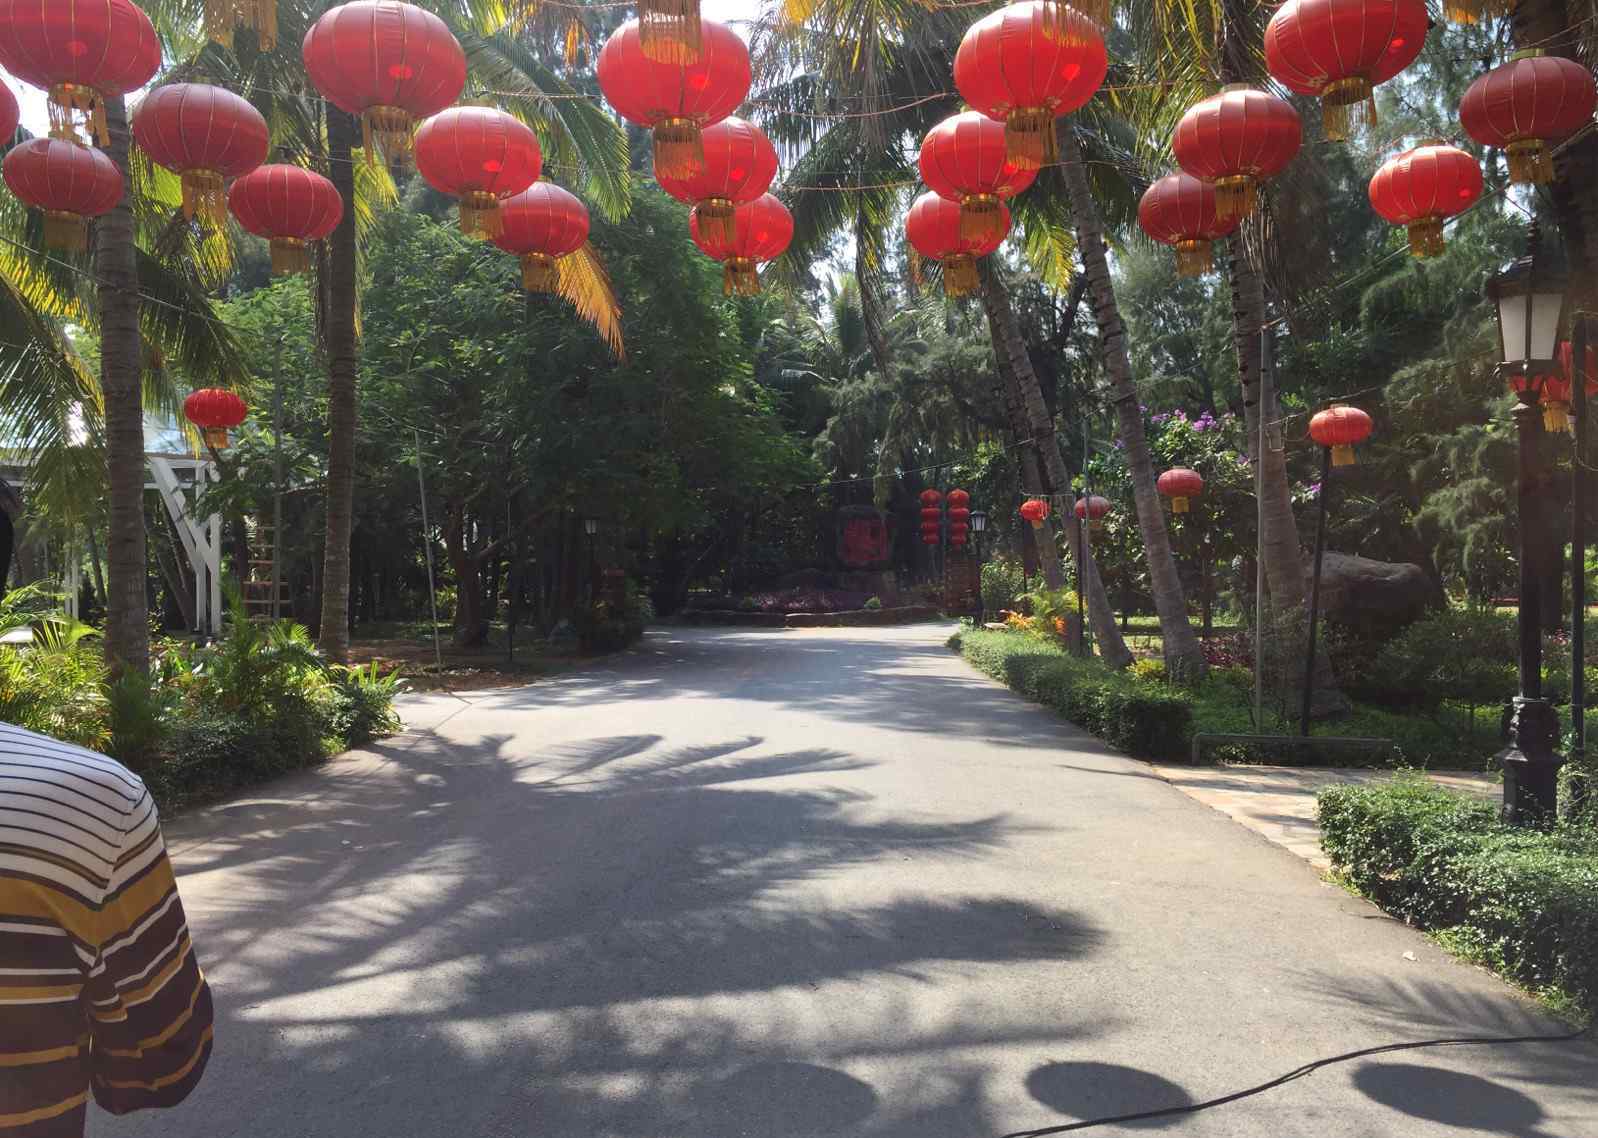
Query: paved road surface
{"points": [[807, 883]]}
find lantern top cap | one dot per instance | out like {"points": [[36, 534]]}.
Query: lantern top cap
{"points": [[1534, 270]]}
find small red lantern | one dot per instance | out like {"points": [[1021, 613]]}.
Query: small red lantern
{"points": [[1340, 428], [1180, 210], [1421, 188], [205, 135], [10, 115], [762, 230], [541, 225], [1340, 50], [291, 207], [930, 497], [390, 63], [1093, 510], [259, 16], [215, 411], [481, 156], [1179, 484], [958, 534], [1034, 510], [79, 52], [959, 500], [1027, 64], [934, 230], [675, 100], [1557, 388], [1234, 140], [963, 159], [69, 182], [1525, 104], [740, 163]]}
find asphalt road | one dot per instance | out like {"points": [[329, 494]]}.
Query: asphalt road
{"points": [[807, 883]]}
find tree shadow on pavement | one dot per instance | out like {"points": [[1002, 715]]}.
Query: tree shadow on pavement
{"points": [[1450, 1097], [1105, 1090]]}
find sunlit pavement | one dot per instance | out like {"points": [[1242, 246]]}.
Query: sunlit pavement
{"points": [[803, 883]]}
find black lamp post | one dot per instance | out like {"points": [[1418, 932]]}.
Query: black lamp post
{"points": [[1529, 296], [591, 527], [979, 524]]}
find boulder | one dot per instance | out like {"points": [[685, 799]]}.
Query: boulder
{"points": [[1375, 597]]}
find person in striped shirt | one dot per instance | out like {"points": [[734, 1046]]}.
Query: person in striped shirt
{"points": [[100, 992]]}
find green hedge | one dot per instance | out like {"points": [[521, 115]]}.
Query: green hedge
{"points": [[1521, 901], [1139, 717]]}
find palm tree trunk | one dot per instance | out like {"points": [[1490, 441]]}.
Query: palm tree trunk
{"points": [[116, 264], [1032, 477], [1184, 657], [1016, 367], [1284, 562], [342, 362]]}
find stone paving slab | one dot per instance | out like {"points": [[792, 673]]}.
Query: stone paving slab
{"points": [[1278, 803]]}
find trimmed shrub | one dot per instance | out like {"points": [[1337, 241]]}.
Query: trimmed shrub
{"points": [[1524, 902]]}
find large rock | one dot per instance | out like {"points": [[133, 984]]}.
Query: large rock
{"points": [[1375, 597]]}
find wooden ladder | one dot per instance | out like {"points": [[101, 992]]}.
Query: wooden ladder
{"points": [[262, 581]]}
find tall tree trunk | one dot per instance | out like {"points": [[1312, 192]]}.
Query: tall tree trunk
{"points": [[1184, 657], [342, 362], [1284, 561], [1033, 478], [116, 263], [1015, 365]]}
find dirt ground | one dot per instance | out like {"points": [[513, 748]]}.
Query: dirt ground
{"points": [[464, 669]]}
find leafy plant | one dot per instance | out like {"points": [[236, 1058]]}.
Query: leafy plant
{"points": [[872, 604], [363, 702]]}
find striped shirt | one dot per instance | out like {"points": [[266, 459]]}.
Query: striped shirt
{"points": [[99, 989]]}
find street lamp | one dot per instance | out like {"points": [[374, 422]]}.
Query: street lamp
{"points": [[1529, 298], [979, 525], [591, 527]]}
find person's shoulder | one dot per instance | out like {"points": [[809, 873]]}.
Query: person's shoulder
{"points": [[38, 757]]}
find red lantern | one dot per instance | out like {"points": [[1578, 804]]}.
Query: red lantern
{"points": [[1179, 484], [963, 159], [260, 16], [1422, 187], [958, 534], [1340, 428], [1027, 64], [1234, 140], [1180, 210], [290, 206], [215, 411], [930, 497], [675, 100], [541, 225], [935, 232], [390, 63], [1557, 388], [930, 536], [1525, 104], [70, 183], [481, 156], [1034, 510], [205, 135], [1093, 509], [762, 230], [79, 51], [1339, 50], [739, 165], [959, 500], [10, 115]]}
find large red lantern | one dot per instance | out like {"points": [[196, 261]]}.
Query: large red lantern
{"points": [[70, 183], [1234, 140], [215, 411], [1180, 210], [1034, 511], [1423, 187], [1525, 104], [79, 51], [205, 135], [290, 206], [739, 164], [480, 155], [1027, 64], [1180, 484], [963, 159], [675, 101], [10, 115], [1340, 50], [1342, 428], [934, 231], [761, 231], [390, 63], [259, 16], [541, 225]]}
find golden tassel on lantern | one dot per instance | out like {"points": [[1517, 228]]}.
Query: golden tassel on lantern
{"points": [[290, 255], [960, 276], [717, 220], [740, 277], [1178, 505], [1029, 138], [1346, 106], [391, 128], [70, 103], [981, 218], [1531, 163], [216, 438], [1194, 258], [204, 197], [1235, 196], [540, 273], [679, 148], [68, 232], [1463, 11], [668, 31], [1556, 415], [480, 214], [1426, 237], [1343, 455], [259, 16]]}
